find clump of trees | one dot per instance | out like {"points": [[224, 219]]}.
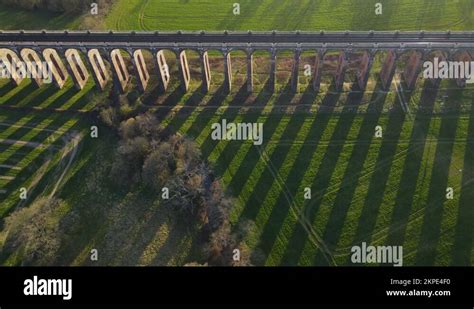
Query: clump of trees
{"points": [[33, 233], [152, 158], [60, 6], [139, 136]]}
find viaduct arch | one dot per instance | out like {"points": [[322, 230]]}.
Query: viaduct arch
{"points": [[65, 52]]}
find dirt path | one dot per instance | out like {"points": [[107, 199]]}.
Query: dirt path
{"points": [[21, 143], [70, 150]]}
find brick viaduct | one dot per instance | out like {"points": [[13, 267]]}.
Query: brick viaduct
{"points": [[66, 51]]}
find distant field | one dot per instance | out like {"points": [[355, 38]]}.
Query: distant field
{"points": [[291, 15], [261, 15]]}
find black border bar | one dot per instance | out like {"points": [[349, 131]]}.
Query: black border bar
{"points": [[257, 285]]}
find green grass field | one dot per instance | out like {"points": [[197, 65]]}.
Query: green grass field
{"points": [[388, 190], [32, 142], [311, 15], [291, 15], [384, 191]]}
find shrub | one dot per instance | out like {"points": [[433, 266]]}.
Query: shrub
{"points": [[32, 232]]}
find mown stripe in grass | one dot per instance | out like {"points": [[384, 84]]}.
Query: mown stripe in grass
{"points": [[411, 170], [348, 183], [462, 253], [436, 197], [272, 211], [334, 159], [297, 180], [445, 244], [248, 191], [33, 158]]}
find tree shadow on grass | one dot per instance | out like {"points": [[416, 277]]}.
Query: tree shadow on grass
{"points": [[91, 204], [149, 219], [177, 249]]}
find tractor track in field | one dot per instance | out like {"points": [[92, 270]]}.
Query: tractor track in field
{"points": [[336, 187], [300, 213], [141, 16], [414, 216], [303, 210]]}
